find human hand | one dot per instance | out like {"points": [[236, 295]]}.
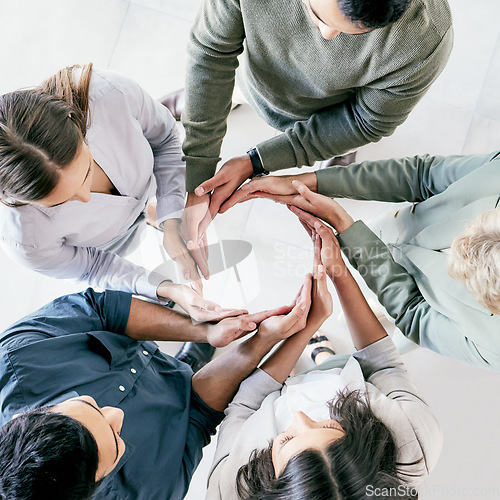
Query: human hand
{"points": [[194, 304], [196, 242], [176, 248], [279, 327], [261, 187], [321, 206], [322, 303], [326, 246], [227, 330], [224, 183]]}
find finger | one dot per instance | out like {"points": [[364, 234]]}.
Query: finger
{"points": [[206, 220], [297, 297], [285, 199], [260, 316], [209, 185], [302, 189], [189, 231], [317, 255], [239, 196], [307, 227], [304, 215], [205, 316], [201, 261], [204, 249]]}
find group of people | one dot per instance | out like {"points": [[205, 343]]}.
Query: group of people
{"points": [[91, 408]]}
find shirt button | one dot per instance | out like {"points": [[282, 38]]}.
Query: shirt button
{"points": [[121, 388], [133, 370], [145, 353]]}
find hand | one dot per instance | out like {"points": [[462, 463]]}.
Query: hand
{"points": [[321, 206], [227, 330], [261, 187], [322, 303], [196, 242], [224, 183], [176, 248], [280, 327], [194, 304], [326, 246]]}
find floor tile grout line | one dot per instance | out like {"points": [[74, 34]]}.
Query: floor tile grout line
{"points": [[127, 11], [475, 112]]}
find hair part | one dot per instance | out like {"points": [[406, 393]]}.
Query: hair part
{"points": [[475, 259], [41, 131], [365, 456], [47, 455], [373, 13]]}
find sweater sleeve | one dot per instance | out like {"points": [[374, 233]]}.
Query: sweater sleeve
{"points": [[399, 294], [416, 431], [404, 179], [374, 111], [216, 41], [247, 401]]}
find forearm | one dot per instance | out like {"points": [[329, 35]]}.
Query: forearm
{"points": [[148, 321], [364, 327], [282, 361], [218, 381]]}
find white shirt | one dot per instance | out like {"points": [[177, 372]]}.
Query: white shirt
{"points": [[263, 408], [134, 140]]}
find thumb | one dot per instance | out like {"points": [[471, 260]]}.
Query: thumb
{"points": [[302, 189], [209, 185]]}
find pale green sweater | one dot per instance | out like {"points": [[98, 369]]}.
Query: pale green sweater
{"points": [[327, 96]]}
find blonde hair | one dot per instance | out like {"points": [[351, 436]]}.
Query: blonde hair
{"points": [[475, 260]]}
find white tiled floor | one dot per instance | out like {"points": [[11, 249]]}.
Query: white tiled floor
{"points": [[145, 39]]}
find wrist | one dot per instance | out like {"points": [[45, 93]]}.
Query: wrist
{"points": [[168, 290], [257, 346], [341, 221], [258, 169], [310, 180]]}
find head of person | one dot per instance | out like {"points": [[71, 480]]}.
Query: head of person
{"points": [[43, 155], [62, 451], [339, 458], [353, 17], [475, 259]]}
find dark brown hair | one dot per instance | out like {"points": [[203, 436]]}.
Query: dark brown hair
{"points": [[366, 456], [41, 131]]}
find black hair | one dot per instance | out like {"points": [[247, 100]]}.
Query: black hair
{"points": [[41, 131], [372, 13], [365, 457], [47, 455]]}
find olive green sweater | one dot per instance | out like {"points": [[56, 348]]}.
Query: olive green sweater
{"points": [[326, 96]]}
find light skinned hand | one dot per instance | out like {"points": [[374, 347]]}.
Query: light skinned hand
{"points": [[280, 327], [194, 212], [230, 329], [194, 304], [324, 238], [223, 184], [321, 206], [260, 187], [176, 249]]}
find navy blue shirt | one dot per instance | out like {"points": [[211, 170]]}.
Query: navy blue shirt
{"points": [[76, 346]]}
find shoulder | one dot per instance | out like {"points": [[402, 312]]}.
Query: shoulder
{"points": [[105, 83], [18, 225]]}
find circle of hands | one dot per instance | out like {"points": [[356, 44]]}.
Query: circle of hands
{"points": [[187, 244]]}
